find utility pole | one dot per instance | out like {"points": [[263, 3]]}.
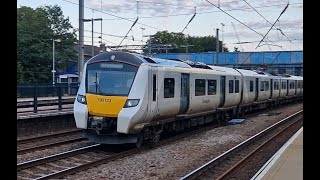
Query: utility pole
{"points": [[81, 34], [92, 49], [222, 50], [217, 45], [142, 29], [149, 43], [88, 20]]}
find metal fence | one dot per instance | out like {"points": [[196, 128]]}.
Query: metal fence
{"points": [[46, 90], [285, 62], [30, 97]]}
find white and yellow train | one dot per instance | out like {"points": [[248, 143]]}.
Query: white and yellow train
{"points": [[131, 98]]}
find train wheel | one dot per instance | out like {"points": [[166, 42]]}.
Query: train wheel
{"points": [[140, 140]]}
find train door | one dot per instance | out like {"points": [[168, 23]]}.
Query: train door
{"points": [[154, 92], [222, 90], [287, 87], [295, 87], [257, 89], [184, 97], [271, 88]]}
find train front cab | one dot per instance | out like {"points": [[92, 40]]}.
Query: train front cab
{"points": [[103, 93]]}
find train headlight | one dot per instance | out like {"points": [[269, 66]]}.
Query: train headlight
{"points": [[81, 99], [131, 103]]}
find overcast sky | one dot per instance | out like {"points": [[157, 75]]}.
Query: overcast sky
{"points": [[173, 16]]}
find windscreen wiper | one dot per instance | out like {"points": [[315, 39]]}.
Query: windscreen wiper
{"points": [[97, 84]]}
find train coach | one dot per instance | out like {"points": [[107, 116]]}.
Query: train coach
{"points": [[131, 98]]}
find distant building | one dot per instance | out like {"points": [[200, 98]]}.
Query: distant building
{"points": [[71, 75], [88, 51]]}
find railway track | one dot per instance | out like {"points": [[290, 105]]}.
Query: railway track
{"points": [[240, 162], [64, 164], [42, 142]]}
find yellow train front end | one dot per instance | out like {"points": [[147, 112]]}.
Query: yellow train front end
{"points": [[102, 94]]}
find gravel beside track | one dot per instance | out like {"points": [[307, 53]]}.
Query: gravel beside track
{"points": [[174, 160]]}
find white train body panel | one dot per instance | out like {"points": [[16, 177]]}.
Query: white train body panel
{"points": [[202, 103], [129, 117], [81, 110], [167, 107]]}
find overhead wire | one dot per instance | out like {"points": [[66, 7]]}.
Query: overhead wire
{"points": [[205, 12], [113, 15]]}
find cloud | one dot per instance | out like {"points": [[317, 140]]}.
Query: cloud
{"points": [[114, 7], [283, 24]]}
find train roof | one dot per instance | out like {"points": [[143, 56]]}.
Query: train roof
{"points": [[138, 59]]}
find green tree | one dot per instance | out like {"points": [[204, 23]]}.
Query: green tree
{"points": [[61, 27], [35, 30], [33, 33], [178, 40], [19, 72]]}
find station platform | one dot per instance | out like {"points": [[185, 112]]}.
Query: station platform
{"points": [[46, 107], [286, 163], [19, 100], [45, 113]]}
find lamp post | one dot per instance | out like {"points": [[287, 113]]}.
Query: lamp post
{"points": [[53, 61]]}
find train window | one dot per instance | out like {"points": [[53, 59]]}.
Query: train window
{"points": [[236, 88], [154, 87], [291, 85], [251, 86], [262, 86], [168, 87], [200, 87], [267, 86], [230, 86], [284, 85], [212, 87], [278, 85], [275, 85]]}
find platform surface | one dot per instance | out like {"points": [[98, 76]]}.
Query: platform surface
{"points": [[287, 163]]}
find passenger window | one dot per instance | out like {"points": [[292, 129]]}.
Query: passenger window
{"points": [[200, 87], [212, 87], [236, 86], [251, 86], [168, 87], [230, 86]]}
